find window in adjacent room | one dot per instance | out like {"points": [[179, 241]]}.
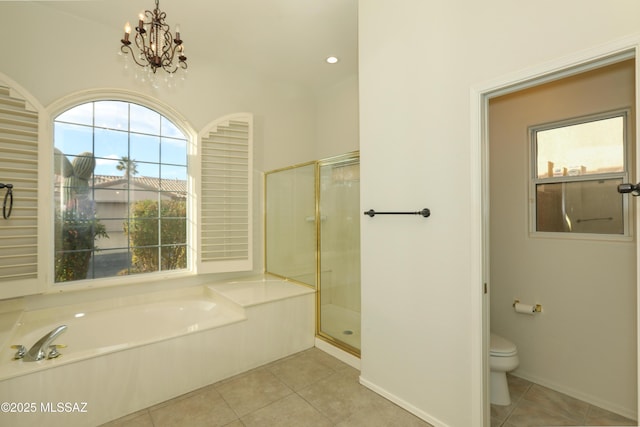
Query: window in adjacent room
{"points": [[120, 191], [577, 167]]}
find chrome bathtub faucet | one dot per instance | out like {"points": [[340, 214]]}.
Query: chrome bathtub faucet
{"points": [[39, 350]]}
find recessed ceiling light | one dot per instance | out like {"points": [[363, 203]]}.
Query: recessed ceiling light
{"points": [[332, 60]]}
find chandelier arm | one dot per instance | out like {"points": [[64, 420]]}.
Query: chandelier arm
{"points": [[146, 55], [171, 53], [169, 69], [167, 44], [124, 49]]}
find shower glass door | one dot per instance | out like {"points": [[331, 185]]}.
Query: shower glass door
{"points": [[339, 251]]}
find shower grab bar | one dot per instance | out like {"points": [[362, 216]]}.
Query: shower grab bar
{"points": [[424, 212], [594, 219]]}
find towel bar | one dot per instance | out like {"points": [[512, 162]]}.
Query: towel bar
{"points": [[424, 212]]}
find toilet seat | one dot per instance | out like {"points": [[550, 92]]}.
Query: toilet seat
{"points": [[501, 347]]}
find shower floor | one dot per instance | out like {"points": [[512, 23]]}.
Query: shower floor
{"points": [[340, 323]]}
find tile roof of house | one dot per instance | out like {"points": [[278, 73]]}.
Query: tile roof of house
{"points": [[177, 186]]}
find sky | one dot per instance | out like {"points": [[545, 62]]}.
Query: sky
{"points": [[111, 130], [597, 145]]}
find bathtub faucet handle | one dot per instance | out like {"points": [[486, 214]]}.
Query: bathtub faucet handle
{"points": [[21, 351], [53, 350], [38, 350]]}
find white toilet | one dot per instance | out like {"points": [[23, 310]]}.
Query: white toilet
{"points": [[503, 357]]}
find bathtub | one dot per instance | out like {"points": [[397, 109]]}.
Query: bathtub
{"points": [[126, 354]]}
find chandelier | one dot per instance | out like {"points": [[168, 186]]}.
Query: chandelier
{"points": [[157, 47]]}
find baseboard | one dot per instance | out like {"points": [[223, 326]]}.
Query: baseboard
{"points": [[339, 354], [403, 404], [609, 406]]}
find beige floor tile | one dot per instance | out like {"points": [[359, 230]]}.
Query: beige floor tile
{"points": [[600, 417], [517, 387], [339, 396], [187, 395], [254, 390], [326, 359], [347, 403], [554, 402], [499, 413], [529, 414], [496, 422], [137, 419], [206, 408], [305, 369], [291, 411], [384, 415]]}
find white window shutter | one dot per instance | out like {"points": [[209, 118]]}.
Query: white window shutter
{"points": [[19, 234], [224, 200]]}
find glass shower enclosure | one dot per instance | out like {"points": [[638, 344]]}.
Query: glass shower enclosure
{"points": [[339, 251], [312, 225]]}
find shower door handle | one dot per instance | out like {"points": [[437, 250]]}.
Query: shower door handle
{"points": [[634, 189]]}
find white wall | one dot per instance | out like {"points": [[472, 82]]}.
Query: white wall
{"points": [[337, 119], [418, 62], [584, 342]]}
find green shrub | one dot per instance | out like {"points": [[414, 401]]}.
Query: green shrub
{"points": [[146, 230]]}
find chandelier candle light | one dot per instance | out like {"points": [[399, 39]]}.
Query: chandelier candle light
{"points": [[157, 46]]}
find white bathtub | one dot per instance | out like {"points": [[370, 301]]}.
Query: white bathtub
{"points": [[127, 354], [91, 333]]}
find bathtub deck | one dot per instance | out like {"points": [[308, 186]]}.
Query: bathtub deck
{"points": [[255, 292]]}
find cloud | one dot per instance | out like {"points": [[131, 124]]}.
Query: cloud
{"points": [[107, 159]]}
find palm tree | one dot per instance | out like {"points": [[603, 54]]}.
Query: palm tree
{"points": [[129, 166]]}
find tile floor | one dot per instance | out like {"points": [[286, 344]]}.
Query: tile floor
{"points": [[312, 388], [534, 405]]}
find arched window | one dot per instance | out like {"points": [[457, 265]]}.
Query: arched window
{"points": [[120, 192]]}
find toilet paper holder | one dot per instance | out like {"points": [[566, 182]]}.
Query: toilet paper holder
{"points": [[537, 308]]}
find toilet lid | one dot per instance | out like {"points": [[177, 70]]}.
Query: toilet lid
{"points": [[501, 346]]}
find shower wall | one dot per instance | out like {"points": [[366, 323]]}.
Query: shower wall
{"points": [[584, 341]]}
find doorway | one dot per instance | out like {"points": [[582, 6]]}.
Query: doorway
{"points": [[550, 270]]}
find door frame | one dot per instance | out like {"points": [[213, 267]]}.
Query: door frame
{"points": [[609, 53]]}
